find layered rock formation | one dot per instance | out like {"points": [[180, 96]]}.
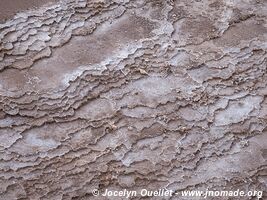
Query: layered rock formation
{"points": [[115, 94]]}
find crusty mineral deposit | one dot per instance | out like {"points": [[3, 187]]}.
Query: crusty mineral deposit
{"points": [[131, 95]]}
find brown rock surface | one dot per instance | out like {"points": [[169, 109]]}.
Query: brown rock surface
{"points": [[118, 94], [8, 8]]}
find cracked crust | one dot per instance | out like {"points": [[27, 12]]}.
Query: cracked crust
{"points": [[133, 94]]}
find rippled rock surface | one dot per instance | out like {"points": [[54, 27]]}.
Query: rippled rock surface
{"points": [[115, 94]]}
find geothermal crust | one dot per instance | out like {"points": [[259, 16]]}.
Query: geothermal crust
{"points": [[120, 94]]}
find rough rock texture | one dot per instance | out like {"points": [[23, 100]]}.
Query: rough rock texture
{"points": [[133, 94]]}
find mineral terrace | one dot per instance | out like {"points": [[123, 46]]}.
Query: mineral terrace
{"points": [[132, 94]]}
